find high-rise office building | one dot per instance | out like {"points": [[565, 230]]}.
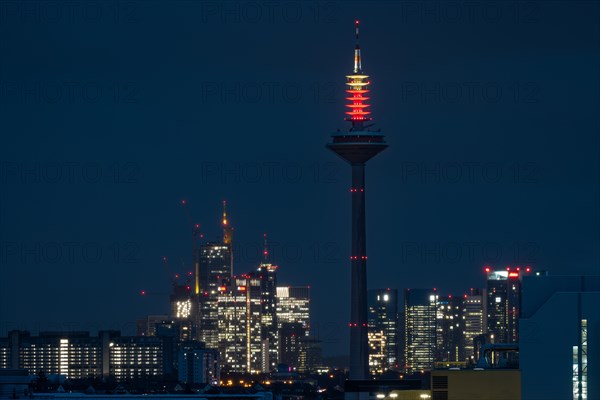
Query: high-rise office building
{"points": [[267, 273], [420, 307], [383, 319], [293, 305], [240, 325], [449, 327], [215, 270], [310, 353], [232, 328], [184, 310], [504, 303], [215, 266], [401, 337], [474, 319], [290, 349], [377, 352]]}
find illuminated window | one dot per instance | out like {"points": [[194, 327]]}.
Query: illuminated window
{"points": [[580, 375]]}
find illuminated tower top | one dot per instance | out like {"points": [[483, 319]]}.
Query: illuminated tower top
{"points": [[266, 265], [358, 89], [227, 229], [359, 144]]}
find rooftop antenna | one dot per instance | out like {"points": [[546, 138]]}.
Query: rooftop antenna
{"points": [[266, 250]]}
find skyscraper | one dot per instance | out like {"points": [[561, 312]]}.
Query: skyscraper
{"points": [[357, 146], [267, 273], [240, 325], [420, 307], [474, 316], [383, 319], [184, 311], [449, 326], [232, 328], [215, 270], [504, 303], [290, 345], [293, 305], [293, 319], [377, 352]]}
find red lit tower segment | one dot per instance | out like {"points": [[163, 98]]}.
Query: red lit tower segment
{"points": [[358, 88], [356, 146]]}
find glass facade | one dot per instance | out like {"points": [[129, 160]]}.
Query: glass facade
{"points": [[293, 305], [383, 323], [216, 267], [420, 306], [449, 327], [503, 306], [474, 321]]}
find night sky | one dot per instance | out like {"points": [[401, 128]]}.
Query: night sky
{"points": [[111, 113]]}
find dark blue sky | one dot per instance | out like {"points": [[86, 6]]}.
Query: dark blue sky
{"points": [[110, 114]]}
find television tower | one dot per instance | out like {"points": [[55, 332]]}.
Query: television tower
{"points": [[357, 146]]}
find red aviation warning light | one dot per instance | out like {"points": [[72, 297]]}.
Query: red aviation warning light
{"points": [[358, 88], [265, 249]]}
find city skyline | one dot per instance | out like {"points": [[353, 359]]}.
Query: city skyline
{"points": [[171, 125]]}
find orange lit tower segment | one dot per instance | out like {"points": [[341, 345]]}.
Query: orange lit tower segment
{"points": [[226, 228], [357, 146], [227, 234]]}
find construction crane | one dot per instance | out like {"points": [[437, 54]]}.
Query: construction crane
{"points": [[172, 278], [172, 275], [195, 237]]}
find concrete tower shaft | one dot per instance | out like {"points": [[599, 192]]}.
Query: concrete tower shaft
{"points": [[357, 146]]}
